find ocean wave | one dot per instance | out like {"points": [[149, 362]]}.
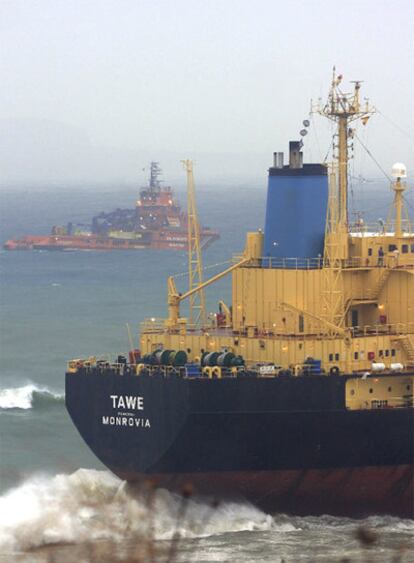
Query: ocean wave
{"points": [[28, 396], [90, 505], [333, 523]]}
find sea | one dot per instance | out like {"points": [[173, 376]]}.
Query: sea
{"points": [[57, 502]]}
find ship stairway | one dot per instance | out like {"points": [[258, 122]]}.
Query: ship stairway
{"points": [[407, 345], [379, 286], [372, 294]]}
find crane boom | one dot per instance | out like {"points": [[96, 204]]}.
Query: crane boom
{"points": [[197, 312]]}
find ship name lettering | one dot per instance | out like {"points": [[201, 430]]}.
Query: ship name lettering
{"points": [[126, 421], [128, 401]]}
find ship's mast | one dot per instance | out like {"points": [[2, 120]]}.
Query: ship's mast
{"points": [[342, 108], [155, 172], [399, 172], [197, 313], [399, 188]]}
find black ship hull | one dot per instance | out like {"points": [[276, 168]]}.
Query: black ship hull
{"points": [[284, 443]]}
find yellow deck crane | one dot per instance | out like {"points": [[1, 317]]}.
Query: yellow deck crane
{"points": [[195, 293], [197, 312]]}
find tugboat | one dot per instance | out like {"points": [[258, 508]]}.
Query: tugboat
{"points": [[156, 222], [298, 396]]}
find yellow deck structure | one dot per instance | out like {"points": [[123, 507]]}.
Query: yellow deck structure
{"points": [[351, 308]]}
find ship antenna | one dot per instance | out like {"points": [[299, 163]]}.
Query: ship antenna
{"points": [[197, 313]]}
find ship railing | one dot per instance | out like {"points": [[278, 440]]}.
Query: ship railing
{"points": [[153, 324], [380, 228], [395, 329], [158, 325], [300, 263], [388, 261], [272, 333], [89, 363], [361, 262], [283, 263]]}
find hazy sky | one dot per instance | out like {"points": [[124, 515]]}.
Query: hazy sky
{"points": [[93, 89]]}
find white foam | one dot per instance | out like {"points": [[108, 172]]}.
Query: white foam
{"points": [[391, 523], [92, 505], [22, 397]]}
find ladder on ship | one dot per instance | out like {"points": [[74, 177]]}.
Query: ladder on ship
{"points": [[379, 286], [407, 346], [372, 295]]}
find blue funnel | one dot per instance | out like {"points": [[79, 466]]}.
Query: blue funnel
{"points": [[297, 198]]}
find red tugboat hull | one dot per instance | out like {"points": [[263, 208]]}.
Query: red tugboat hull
{"points": [[169, 240]]}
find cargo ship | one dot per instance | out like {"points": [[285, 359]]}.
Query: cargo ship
{"points": [[299, 395], [156, 222]]}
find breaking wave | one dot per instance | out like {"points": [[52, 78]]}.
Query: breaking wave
{"points": [[91, 505], [28, 396]]}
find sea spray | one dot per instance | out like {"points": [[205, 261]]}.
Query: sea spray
{"points": [[28, 396], [92, 505]]}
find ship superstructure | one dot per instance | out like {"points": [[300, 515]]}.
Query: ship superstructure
{"points": [[298, 394], [156, 208], [306, 287]]}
